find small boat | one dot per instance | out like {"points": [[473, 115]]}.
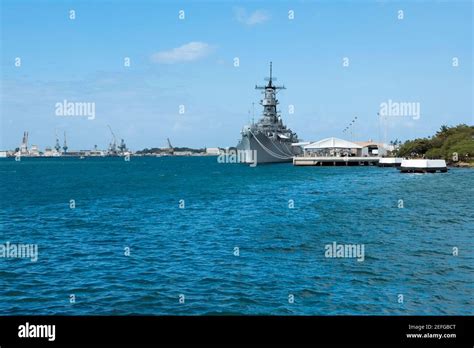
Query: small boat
{"points": [[423, 166]]}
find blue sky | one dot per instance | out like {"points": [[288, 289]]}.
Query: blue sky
{"points": [[190, 62]]}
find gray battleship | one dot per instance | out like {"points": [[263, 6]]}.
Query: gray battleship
{"points": [[268, 139]]}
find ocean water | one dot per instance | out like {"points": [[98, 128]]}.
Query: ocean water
{"points": [[192, 251]]}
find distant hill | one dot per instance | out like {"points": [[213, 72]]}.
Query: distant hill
{"points": [[445, 144]]}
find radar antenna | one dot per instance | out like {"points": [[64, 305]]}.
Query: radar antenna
{"points": [[270, 81]]}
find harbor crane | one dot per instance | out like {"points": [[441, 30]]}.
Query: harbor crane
{"points": [[113, 144], [65, 143], [122, 147], [24, 143], [170, 147], [57, 147]]}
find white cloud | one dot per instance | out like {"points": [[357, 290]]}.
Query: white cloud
{"points": [[186, 53], [255, 17]]}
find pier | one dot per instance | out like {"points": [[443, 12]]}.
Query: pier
{"points": [[390, 162], [334, 152], [335, 161]]}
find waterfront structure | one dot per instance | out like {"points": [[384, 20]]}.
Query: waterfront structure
{"points": [[390, 162], [213, 151], [335, 161], [333, 152], [371, 148], [34, 151], [49, 152], [182, 153], [332, 147], [423, 166]]}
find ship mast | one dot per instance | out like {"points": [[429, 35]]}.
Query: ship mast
{"points": [[253, 112], [269, 102], [270, 82]]}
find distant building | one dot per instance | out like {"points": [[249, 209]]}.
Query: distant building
{"points": [[34, 150], [183, 153], [73, 153], [96, 152], [49, 152], [213, 151], [371, 148]]}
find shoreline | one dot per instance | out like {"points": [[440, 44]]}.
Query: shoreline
{"points": [[460, 164]]}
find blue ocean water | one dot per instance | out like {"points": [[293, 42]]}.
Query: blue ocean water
{"points": [[192, 251]]}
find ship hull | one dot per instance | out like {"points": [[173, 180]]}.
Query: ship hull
{"points": [[267, 150]]}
